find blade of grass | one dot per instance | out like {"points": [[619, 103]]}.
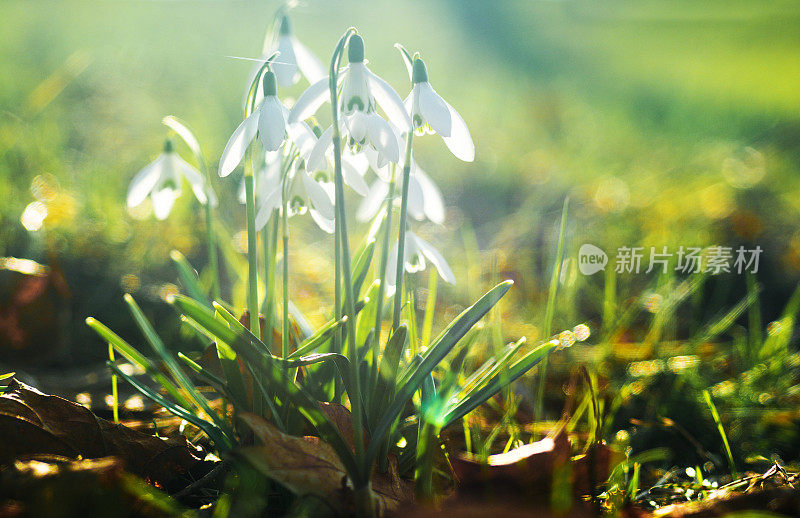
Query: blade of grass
{"points": [[551, 307], [214, 432], [172, 365], [136, 358], [722, 434], [114, 391], [440, 347], [481, 394], [188, 276]]}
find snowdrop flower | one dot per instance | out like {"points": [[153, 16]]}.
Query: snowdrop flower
{"points": [[306, 194], [416, 251], [430, 113], [268, 120], [293, 59], [361, 93], [161, 180], [424, 198]]}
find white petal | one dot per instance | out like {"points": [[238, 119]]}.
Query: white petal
{"points": [[237, 144], [459, 142], [372, 202], [357, 160], [415, 259], [316, 159], [391, 268], [285, 65], [309, 101], [353, 177], [328, 225], [303, 137], [436, 259], [432, 196], [193, 176], [241, 194], [318, 196], [271, 123], [267, 206], [388, 99], [383, 138], [144, 181], [384, 172], [416, 199], [310, 66], [163, 200], [356, 124], [434, 110]]}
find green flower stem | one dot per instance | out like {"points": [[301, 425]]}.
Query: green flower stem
{"points": [[213, 262], [427, 445], [550, 310], [363, 496], [252, 252], [285, 234], [401, 239], [184, 132], [269, 237], [376, 341]]}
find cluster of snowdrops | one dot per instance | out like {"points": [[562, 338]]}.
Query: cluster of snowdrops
{"points": [[400, 393]]}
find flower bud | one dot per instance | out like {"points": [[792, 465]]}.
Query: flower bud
{"points": [[285, 27], [355, 49], [270, 86], [420, 72]]}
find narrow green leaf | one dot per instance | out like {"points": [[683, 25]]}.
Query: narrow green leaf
{"points": [[481, 394], [188, 276], [441, 346], [324, 333], [214, 433], [136, 358], [172, 365]]}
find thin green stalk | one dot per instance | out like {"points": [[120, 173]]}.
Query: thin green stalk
{"points": [[213, 262], [114, 391], [382, 276], [183, 131], [252, 253], [722, 433], [270, 258], [430, 307], [401, 239], [285, 233], [551, 306], [361, 486]]}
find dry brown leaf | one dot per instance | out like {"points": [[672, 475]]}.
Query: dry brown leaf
{"points": [[309, 465], [33, 423]]}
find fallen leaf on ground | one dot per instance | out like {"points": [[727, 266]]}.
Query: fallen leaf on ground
{"points": [[310, 466], [33, 423]]}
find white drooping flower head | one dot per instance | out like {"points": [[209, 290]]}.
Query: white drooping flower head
{"points": [[294, 58], [305, 194], [268, 120], [424, 198], [161, 179], [430, 113], [416, 252], [293, 61], [361, 92]]}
